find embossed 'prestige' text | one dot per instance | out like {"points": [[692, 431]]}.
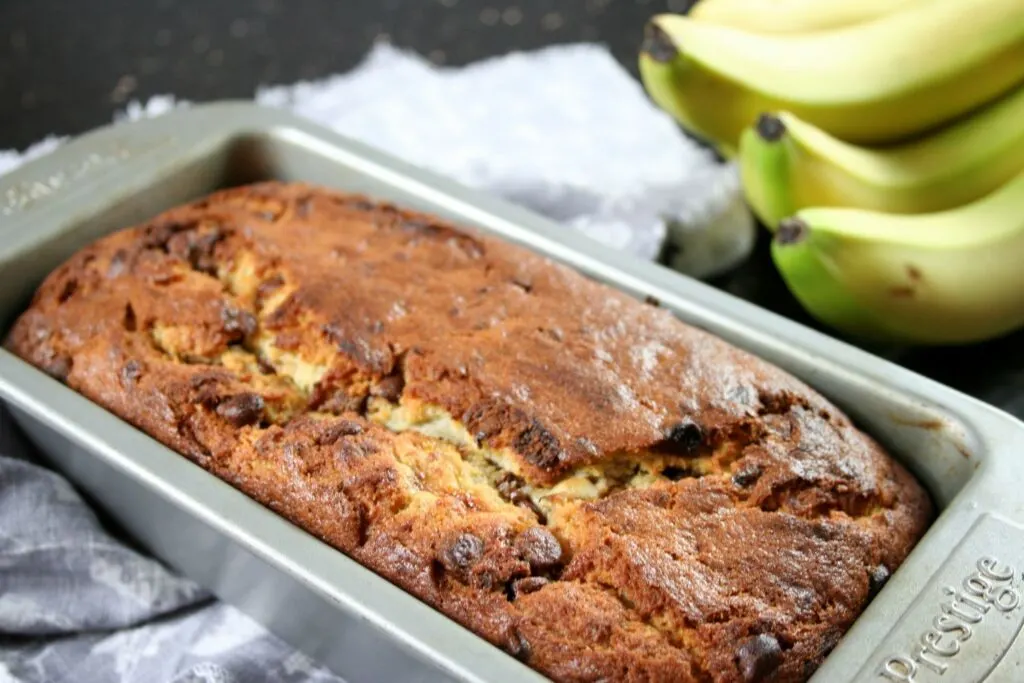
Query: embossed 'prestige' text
{"points": [[25, 194], [963, 610]]}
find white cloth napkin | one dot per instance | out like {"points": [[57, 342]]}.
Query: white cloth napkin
{"points": [[564, 131]]}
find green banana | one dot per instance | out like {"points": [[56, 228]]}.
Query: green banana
{"points": [[878, 82], [787, 164], [944, 278], [793, 16]]}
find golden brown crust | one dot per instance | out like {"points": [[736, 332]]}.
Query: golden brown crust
{"points": [[581, 479]]}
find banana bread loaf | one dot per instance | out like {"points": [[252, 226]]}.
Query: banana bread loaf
{"points": [[602, 491]]}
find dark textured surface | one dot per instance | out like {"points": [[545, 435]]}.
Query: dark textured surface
{"points": [[616, 496], [120, 49], [66, 67]]}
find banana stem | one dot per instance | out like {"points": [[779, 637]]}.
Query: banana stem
{"points": [[658, 45], [766, 170]]}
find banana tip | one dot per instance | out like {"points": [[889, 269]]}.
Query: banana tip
{"points": [[770, 127], [657, 44], [791, 231]]}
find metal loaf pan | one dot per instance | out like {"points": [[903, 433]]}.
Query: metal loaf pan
{"points": [[952, 612]]}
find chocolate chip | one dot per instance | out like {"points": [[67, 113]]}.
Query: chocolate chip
{"points": [[118, 264], [510, 487], [350, 450], [195, 246], [877, 578], [540, 548], [519, 646], [362, 520], [206, 378], [336, 429], [364, 351], [652, 301], [390, 388], [758, 656], [747, 476], [159, 235], [775, 403], [684, 438], [70, 287], [242, 410], [130, 372], [327, 398], [237, 322], [463, 553], [269, 286], [539, 446], [130, 321], [59, 368], [531, 584], [201, 252], [675, 472]]}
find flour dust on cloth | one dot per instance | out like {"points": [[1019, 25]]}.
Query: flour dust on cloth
{"points": [[564, 131]]}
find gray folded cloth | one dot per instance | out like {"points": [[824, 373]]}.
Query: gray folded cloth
{"points": [[77, 604], [564, 131]]}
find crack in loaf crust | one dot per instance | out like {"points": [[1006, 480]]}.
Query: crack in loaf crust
{"points": [[604, 492]]}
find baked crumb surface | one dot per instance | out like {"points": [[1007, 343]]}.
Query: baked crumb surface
{"points": [[583, 480]]}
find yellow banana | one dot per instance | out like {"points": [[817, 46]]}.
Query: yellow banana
{"points": [[793, 16], [788, 164], [877, 82], [950, 277]]}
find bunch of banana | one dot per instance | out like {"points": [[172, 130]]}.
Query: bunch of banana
{"points": [[873, 82], [882, 141]]}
